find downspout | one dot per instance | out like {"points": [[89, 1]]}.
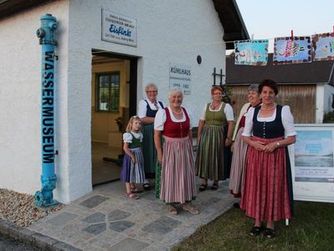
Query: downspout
{"points": [[44, 198], [331, 75]]}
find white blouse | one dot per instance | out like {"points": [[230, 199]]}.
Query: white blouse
{"points": [[287, 121], [127, 137], [228, 110], [160, 118], [142, 107]]}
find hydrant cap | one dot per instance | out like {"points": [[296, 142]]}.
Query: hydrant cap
{"points": [[48, 17]]}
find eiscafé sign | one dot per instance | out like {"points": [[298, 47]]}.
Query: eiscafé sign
{"points": [[119, 29]]}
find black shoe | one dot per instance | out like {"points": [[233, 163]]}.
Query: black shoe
{"points": [[269, 233], [236, 205], [202, 187], [214, 186], [147, 187], [255, 231]]}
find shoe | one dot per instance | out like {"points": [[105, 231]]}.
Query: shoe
{"points": [[190, 208], [255, 231], [136, 190], [172, 210], [236, 205], [202, 187], [269, 233], [214, 186], [132, 196], [147, 187]]}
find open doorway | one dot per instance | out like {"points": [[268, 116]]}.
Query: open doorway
{"points": [[114, 87]]}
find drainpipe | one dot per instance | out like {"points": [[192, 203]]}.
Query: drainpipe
{"points": [[44, 198]]}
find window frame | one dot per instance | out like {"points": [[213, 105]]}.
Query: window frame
{"points": [[110, 97]]}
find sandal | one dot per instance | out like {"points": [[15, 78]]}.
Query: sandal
{"points": [[202, 187], [135, 190], [269, 233], [172, 210], [190, 208], [214, 186], [255, 231], [132, 196]]}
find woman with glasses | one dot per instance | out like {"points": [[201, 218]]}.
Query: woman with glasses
{"points": [[147, 110]]}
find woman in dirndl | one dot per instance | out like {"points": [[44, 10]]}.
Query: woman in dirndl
{"points": [[178, 186], [269, 129], [216, 116], [147, 110], [239, 147]]}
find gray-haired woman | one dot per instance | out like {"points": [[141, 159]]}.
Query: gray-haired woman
{"points": [[147, 110], [175, 154], [239, 146]]}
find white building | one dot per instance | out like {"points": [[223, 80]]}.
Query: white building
{"points": [[164, 34]]}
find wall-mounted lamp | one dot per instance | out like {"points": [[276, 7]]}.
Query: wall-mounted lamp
{"points": [[199, 59]]}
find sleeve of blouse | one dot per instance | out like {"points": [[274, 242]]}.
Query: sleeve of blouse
{"points": [[142, 109], [141, 137], [202, 117], [249, 123], [127, 137], [288, 122], [228, 110], [159, 120]]}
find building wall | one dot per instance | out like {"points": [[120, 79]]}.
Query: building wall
{"points": [[20, 95], [300, 98], [173, 31]]}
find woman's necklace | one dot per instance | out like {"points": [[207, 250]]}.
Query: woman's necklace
{"points": [[268, 108], [177, 112], [215, 106]]}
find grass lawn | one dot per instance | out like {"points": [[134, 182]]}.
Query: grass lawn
{"points": [[312, 228]]}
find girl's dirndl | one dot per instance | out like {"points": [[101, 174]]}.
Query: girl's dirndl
{"points": [[133, 172]]}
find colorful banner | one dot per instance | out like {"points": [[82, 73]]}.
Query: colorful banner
{"points": [[251, 52], [323, 46], [291, 50]]}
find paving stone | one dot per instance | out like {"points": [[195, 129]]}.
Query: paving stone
{"points": [[118, 215], [212, 200], [120, 226], [62, 219], [95, 218], [129, 244], [61, 246], [94, 201], [95, 229], [162, 225]]}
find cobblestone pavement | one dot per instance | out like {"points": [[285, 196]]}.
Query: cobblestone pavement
{"points": [[7, 244], [106, 220]]}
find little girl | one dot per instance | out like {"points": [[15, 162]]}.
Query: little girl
{"points": [[133, 163]]}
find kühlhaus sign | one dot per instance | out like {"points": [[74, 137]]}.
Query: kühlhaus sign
{"points": [[180, 77], [119, 29]]}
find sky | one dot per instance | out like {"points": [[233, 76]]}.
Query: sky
{"points": [[267, 19]]}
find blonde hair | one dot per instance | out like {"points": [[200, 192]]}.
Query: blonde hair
{"points": [[131, 120]]}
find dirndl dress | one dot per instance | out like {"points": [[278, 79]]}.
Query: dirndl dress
{"points": [[133, 172], [210, 151], [177, 171], [267, 194]]}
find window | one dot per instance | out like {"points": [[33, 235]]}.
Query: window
{"points": [[107, 92]]}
